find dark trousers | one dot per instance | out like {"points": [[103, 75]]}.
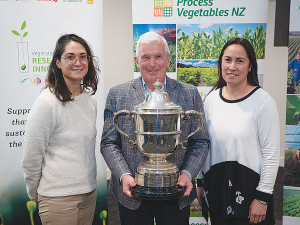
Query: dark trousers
{"points": [[165, 213]]}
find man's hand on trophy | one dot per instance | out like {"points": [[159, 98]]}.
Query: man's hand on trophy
{"points": [[128, 182], [185, 181]]}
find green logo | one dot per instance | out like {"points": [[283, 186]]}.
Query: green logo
{"points": [[22, 48], [158, 3], [24, 80], [163, 8], [168, 11]]}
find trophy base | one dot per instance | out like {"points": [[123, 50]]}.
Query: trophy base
{"points": [[157, 193]]}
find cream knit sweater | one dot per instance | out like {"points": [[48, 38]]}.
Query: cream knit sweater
{"points": [[59, 146]]}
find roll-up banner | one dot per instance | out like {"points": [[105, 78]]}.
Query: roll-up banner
{"points": [[29, 31], [196, 31], [291, 189]]}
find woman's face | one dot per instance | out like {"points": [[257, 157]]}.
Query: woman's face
{"points": [[73, 74], [235, 65]]}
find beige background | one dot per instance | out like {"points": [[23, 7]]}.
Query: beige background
{"points": [[118, 56]]}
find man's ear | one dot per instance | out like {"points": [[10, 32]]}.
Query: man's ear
{"points": [[136, 62]]}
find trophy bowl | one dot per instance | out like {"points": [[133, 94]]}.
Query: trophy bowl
{"points": [[157, 129]]}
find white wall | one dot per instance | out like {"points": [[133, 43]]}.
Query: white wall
{"points": [[118, 39], [118, 56], [275, 75]]}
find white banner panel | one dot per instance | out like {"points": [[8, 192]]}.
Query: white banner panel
{"points": [[29, 31], [199, 11], [197, 30]]}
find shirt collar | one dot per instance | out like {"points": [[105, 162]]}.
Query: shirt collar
{"points": [[147, 89]]}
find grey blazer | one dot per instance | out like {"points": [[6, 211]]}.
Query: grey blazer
{"points": [[115, 147]]}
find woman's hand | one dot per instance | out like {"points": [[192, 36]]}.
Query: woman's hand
{"points": [[257, 212], [199, 195]]}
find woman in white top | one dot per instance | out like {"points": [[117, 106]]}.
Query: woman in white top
{"points": [[243, 125], [59, 149]]}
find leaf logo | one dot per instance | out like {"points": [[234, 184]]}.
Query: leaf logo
{"points": [[23, 26]]}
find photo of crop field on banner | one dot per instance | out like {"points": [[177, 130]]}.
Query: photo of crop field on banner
{"points": [[291, 189], [196, 31]]}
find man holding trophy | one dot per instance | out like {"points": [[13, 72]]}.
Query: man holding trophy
{"points": [[147, 179]]}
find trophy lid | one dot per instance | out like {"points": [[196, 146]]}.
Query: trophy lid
{"points": [[157, 101]]}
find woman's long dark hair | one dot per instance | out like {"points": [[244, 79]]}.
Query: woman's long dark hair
{"points": [[252, 77], [56, 82]]}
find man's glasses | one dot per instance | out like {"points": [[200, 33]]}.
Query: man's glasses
{"points": [[71, 59]]}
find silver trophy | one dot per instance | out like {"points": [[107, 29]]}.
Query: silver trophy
{"points": [[157, 129]]}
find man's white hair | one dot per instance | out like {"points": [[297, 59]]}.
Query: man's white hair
{"points": [[148, 38]]}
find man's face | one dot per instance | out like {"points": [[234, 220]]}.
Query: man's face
{"points": [[298, 56], [152, 62]]}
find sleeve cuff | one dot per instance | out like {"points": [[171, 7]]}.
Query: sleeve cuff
{"points": [[123, 176], [187, 173], [262, 196]]}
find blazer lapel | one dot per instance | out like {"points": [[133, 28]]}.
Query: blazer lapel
{"points": [[137, 91], [172, 90]]}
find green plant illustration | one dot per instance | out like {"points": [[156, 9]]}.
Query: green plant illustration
{"points": [[103, 216], [1, 220], [31, 206], [23, 67]]}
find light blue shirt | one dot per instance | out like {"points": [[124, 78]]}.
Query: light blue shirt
{"points": [[147, 89]]}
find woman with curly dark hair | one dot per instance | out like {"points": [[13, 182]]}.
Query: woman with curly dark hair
{"points": [[59, 148], [56, 79]]}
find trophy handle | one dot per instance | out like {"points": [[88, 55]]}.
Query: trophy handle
{"points": [[186, 116], [128, 115]]}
